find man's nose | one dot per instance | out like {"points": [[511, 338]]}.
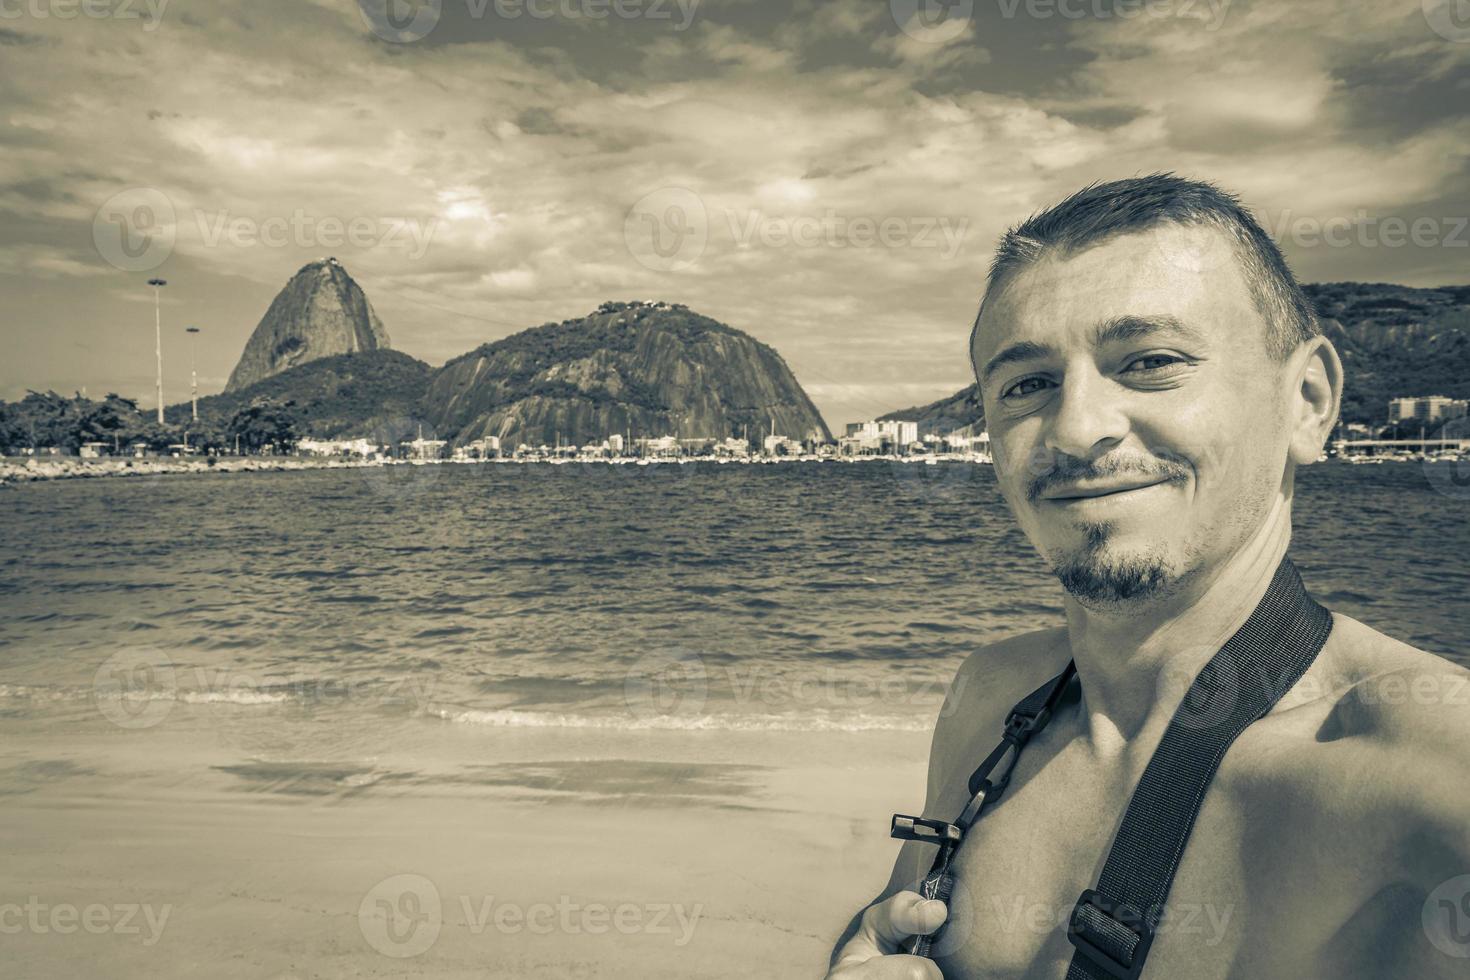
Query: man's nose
{"points": [[1087, 416]]}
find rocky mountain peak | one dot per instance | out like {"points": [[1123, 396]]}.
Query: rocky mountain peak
{"points": [[321, 312]]}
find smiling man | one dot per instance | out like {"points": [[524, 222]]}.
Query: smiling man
{"points": [[1152, 376]]}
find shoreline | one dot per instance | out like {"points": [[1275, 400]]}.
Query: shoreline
{"points": [[37, 468], [33, 469]]}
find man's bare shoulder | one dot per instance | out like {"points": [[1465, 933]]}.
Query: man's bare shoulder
{"points": [[985, 687], [1002, 672], [1395, 694], [1370, 750]]}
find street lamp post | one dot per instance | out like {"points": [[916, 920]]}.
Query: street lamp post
{"points": [[157, 285], [193, 333]]}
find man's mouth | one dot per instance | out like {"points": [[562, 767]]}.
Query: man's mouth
{"points": [[1083, 490]]}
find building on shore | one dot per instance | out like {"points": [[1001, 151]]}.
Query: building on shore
{"points": [[663, 446], [486, 448], [1426, 408], [422, 448], [336, 447], [880, 436]]}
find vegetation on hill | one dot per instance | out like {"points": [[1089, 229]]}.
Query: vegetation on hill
{"points": [[334, 397], [646, 367]]}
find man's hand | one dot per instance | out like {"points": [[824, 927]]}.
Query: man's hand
{"points": [[872, 953]]}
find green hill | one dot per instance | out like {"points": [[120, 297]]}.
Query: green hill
{"points": [[650, 368], [347, 395]]}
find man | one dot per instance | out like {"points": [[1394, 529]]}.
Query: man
{"points": [[1152, 375]]}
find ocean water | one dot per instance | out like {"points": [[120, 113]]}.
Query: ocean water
{"points": [[313, 609]]}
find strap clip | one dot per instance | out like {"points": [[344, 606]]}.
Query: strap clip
{"points": [[1021, 727], [928, 831], [1115, 936]]}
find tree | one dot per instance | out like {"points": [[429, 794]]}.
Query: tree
{"points": [[265, 422]]}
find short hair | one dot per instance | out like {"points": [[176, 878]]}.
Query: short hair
{"points": [[1102, 210]]}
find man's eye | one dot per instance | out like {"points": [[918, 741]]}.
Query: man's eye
{"points": [[1026, 386], [1153, 362]]}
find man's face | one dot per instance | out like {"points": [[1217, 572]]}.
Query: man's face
{"points": [[1136, 419]]}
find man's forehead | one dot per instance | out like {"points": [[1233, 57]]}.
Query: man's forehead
{"points": [[1185, 272]]}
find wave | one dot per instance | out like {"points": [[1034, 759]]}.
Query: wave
{"points": [[188, 697], [509, 718]]}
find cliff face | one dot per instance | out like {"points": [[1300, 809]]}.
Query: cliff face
{"points": [[650, 368], [1394, 341], [320, 313]]}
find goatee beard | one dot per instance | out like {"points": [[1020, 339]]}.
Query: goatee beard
{"points": [[1097, 579]]}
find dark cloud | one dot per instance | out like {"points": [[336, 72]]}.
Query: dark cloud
{"points": [[848, 173]]}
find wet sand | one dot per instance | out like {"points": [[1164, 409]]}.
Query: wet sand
{"points": [[448, 851]]}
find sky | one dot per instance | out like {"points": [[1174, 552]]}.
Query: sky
{"points": [[829, 177]]}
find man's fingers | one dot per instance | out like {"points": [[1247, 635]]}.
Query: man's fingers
{"points": [[899, 968], [903, 915]]}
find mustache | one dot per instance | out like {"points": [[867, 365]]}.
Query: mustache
{"points": [[1062, 468]]}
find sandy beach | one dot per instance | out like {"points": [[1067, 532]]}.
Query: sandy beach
{"points": [[556, 854]]}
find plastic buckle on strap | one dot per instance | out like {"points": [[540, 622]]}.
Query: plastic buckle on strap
{"points": [[928, 831], [1021, 726], [1125, 917]]}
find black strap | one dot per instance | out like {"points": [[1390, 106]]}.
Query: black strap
{"points": [[1024, 721], [1113, 925]]}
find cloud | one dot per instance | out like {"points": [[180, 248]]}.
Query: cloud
{"points": [[851, 175]]}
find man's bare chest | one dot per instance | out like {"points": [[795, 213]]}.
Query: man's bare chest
{"points": [[1023, 866]]}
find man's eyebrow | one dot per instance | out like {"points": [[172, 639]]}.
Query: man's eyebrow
{"points": [[1111, 331], [1132, 327], [1024, 350]]}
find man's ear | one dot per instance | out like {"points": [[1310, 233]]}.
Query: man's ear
{"points": [[1315, 400]]}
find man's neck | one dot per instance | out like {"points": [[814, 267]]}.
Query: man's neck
{"points": [[1135, 666]]}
